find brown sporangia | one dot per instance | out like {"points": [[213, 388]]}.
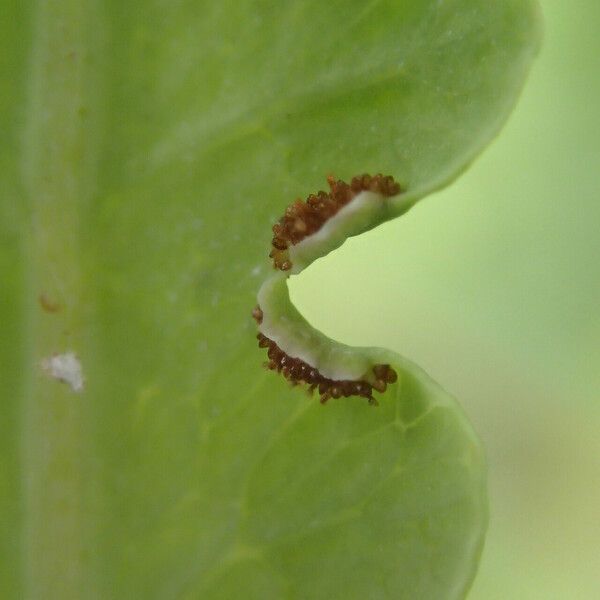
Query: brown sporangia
{"points": [[302, 219], [297, 371], [257, 314]]}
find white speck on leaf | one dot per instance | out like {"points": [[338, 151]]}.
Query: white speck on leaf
{"points": [[66, 368]]}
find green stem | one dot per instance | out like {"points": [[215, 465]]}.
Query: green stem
{"points": [[58, 166]]}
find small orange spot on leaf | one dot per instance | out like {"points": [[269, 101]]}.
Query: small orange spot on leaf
{"points": [[47, 304]]}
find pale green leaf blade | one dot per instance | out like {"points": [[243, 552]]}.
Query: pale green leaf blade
{"points": [[148, 149]]}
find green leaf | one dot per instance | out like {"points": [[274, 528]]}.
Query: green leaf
{"points": [[146, 149]]}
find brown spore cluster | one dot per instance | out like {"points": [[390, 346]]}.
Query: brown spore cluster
{"points": [[297, 371], [302, 219]]}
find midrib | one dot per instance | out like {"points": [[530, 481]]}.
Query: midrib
{"points": [[58, 167]]}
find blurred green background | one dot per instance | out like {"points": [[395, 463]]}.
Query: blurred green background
{"points": [[498, 283]]}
